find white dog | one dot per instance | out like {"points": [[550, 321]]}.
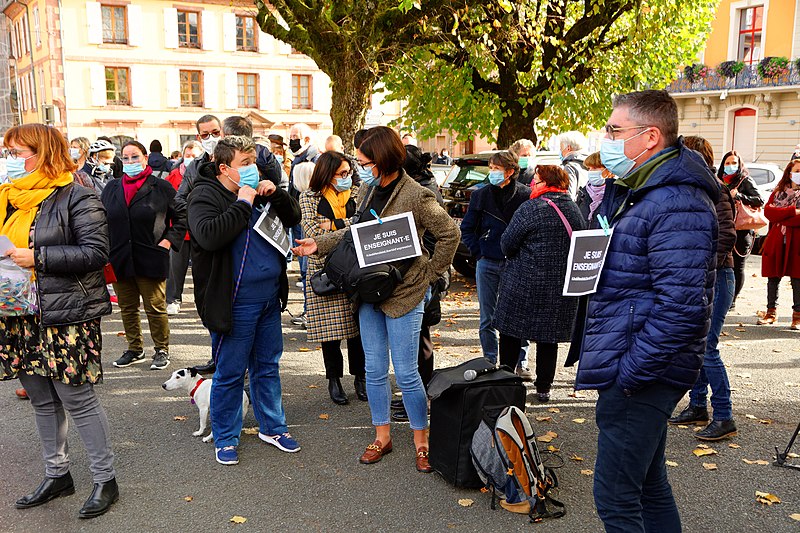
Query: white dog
{"points": [[199, 389]]}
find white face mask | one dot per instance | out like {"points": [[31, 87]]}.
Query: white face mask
{"points": [[795, 177], [209, 144], [75, 153]]}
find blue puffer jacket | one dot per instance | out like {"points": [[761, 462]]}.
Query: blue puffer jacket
{"points": [[649, 318], [485, 222]]}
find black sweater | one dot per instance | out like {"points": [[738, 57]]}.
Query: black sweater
{"points": [[216, 218]]}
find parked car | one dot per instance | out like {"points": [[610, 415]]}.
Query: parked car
{"points": [[468, 174], [440, 173]]}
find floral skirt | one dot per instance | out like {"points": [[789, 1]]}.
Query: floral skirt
{"points": [[70, 354]]}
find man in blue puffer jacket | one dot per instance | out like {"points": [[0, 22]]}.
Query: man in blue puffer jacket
{"points": [[643, 341]]}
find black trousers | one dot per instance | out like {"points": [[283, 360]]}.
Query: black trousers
{"points": [[334, 361], [425, 357], [546, 356], [178, 265], [744, 244]]}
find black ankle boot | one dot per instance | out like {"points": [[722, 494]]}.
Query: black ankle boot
{"points": [[360, 383], [337, 392], [104, 495], [717, 430], [690, 415], [51, 487]]}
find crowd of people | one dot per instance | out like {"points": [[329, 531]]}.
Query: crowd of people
{"points": [[95, 224]]}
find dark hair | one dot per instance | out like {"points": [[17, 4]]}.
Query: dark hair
{"points": [[652, 108], [384, 148], [506, 159], [325, 168], [137, 144], [204, 119], [358, 138], [721, 169], [227, 147], [700, 145], [175, 154], [553, 176], [786, 179], [417, 162], [237, 125], [155, 146]]}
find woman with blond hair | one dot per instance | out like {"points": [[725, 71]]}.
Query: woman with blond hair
{"points": [[58, 231]]}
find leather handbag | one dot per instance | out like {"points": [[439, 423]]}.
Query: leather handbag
{"points": [[749, 217]]}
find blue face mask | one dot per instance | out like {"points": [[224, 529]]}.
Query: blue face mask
{"points": [[612, 155], [103, 168], [15, 167], [279, 158], [367, 177], [343, 184], [496, 177], [596, 178], [523, 162], [248, 176], [730, 169], [132, 169]]}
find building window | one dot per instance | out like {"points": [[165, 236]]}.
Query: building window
{"points": [[246, 34], [117, 86], [301, 91], [247, 90], [115, 25], [750, 23], [36, 28], [191, 88], [188, 29]]}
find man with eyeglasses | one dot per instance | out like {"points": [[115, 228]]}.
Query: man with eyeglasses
{"points": [[209, 132], [643, 340]]}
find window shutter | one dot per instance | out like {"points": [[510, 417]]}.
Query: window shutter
{"points": [[266, 43], [170, 27], [286, 90], [320, 92], [231, 90], [94, 23], [173, 88], [97, 81], [134, 29], [266, 90], [208, 22], [210, 90], [138, 87], [229, 32]]}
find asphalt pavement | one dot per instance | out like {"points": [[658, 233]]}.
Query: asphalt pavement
{"points": [[169, 480]]}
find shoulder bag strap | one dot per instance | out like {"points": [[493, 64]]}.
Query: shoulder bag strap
{"points": [[561, 215]]}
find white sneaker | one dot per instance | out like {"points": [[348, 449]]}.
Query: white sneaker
{"points": [[524, 373], [174, 308], [299, 284]]}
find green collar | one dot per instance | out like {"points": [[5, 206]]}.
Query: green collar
{"points": [[636, 179]]}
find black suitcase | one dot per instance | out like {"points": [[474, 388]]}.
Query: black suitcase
{"points": [[457, 408]]}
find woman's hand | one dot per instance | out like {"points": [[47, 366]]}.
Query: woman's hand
{"points": [[734, 192], [22, 257], [325, 224], [165, 244], [304, 247], [265, 188]]}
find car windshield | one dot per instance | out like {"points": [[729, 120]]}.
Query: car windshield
{"points": [[761, 176], [468, 174]]}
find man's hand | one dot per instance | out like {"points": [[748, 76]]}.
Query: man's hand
{"points": [[22, 257], [265, 188], [304, 247], [247, 193], [165, 244]]}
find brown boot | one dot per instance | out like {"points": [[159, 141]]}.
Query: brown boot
{"points": [[769, 317], [795, 320]]}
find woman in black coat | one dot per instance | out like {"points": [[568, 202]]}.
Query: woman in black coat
{"points": [[145, 220], [734, 174], [536, 244]]}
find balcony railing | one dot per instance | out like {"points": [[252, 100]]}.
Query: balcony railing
{"points": [[748, 78]]}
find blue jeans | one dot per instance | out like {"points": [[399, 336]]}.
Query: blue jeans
{"points": [[631, 490], [256, 344], [381, 334], [713, 371], [487, 278]]}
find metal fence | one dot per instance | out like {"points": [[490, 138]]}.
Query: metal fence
{"points": [[748, 78]]}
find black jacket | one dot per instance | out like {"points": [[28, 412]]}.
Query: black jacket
{"points": [[190, 175], [485, 222], [70, 246], [726, 238], [216, 218], [136, 230], [268, 166], [159, 164]]}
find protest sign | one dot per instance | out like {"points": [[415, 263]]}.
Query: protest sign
{"points": [[385, 240], [587, 253], [271, 228]]}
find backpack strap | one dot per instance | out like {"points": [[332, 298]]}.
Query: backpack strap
{"points": [[561, 215]]}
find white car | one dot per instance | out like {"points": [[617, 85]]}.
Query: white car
{"points": [[766, 176]]}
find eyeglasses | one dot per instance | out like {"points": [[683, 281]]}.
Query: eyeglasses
{"points": [[613, 130], [366, 166], [18, 153], [205, 136], [343, 174]]}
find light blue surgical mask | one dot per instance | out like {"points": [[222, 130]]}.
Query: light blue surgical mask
{"points": [[279, 158], [523, 162], [730, 169], [103, 168], [75, 153], [248, 176], [596, 178], [368, 177], [15, 167], [343, 184], [612, 155], [496, 177], [132, 169]]}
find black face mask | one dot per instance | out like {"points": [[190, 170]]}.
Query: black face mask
{"points": [[294, 145]]}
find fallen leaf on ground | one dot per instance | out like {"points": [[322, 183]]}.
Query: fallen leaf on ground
{"points": [[465, 502], [554, 410], [188, 498], [765, 421], [292, 338], [250, 431], [576, 457], [682, 426], [671, 463], [756, 462], [484, 490], [710, 466], [587, 472], [303, 349], [313, 386], [734, 446], [544, 418], [324, 416], [474, 351], [702, 452], [576, 394], [553, 449], [795, 516], [120, 334], [697, 428], [579, 420], [751, 417], [703, 446], [777, 351], [238, 520], [547, 437], [745, 375], [180, 418], [724, 334], [767, 498], [793, 455], [740, 329]]}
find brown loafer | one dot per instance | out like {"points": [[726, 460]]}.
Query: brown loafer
{"points": [[423, 465], [375, 452]]}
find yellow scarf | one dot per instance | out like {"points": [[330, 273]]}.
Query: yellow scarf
{"points": [[338, 201], [26, 195]]}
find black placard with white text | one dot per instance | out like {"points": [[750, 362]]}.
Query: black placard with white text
{"points": [[587, 253], [385, 240]]}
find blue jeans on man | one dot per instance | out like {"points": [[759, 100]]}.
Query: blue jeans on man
{"points": [[380, 335], [487, 279], [713, 371], [256, 344], [631, 489]]}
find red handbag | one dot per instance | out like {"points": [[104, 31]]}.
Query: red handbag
{"points": [[108, 272]]}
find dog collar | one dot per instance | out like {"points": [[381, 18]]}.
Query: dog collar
{"points": [[191, 393]]}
